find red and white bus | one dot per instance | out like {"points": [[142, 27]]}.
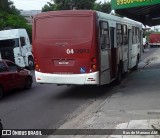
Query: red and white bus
{"points": [[84, 47]]}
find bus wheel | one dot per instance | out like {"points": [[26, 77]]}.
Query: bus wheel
{"points": [[30, 63], [136, 66], [1, 92], [119, 75]]}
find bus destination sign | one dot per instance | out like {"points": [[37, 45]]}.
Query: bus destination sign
{"points": [[120, 4]]}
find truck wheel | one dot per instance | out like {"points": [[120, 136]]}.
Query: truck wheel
{"points": [[28, 83], [30, 63], [1, 92]]}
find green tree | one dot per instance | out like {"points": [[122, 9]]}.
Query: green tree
{"points": [[62, 4], [8, 7], [82, 4], [68, 5], [97, 6], [49, 7], [4, 5], [13, 21], [10, 17], [106, 7], [103, 7]]}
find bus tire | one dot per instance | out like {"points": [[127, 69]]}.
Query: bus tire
{"points": [[1, 93], [136, 66], [30, 63], [119, 74]]}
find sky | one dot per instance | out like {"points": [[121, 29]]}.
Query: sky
{"points": [[33, 4]]}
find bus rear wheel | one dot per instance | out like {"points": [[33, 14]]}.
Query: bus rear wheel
{"points": [[136, 66], [119, 75]]}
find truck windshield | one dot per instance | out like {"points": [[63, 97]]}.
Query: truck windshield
{"points": [[9, 43]]}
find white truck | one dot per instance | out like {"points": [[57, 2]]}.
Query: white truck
{"points": [[15, 46]]}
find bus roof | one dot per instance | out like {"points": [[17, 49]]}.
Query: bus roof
{"points": [[118, 19], [64, 12]]}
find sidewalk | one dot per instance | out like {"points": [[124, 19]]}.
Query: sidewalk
{"points": [[135, 104]]}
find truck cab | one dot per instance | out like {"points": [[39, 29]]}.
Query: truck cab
{"points": [[15, 46]]}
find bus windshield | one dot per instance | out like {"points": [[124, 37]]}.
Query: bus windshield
{"points": [[61, 27]]}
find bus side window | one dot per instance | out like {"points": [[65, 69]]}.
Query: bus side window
{"points": [[119, 34], [133, 35], [137, 35], [112, 36], [125, 35], [104, 35]]}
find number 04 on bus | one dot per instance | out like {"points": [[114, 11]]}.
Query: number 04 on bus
{"points": [[84, 47]]}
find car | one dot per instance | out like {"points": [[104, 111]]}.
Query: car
{"points": [[12, 76]]}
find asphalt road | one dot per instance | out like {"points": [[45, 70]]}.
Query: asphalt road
{"points": [[151, 59], [135, 103], [49, 106]]}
